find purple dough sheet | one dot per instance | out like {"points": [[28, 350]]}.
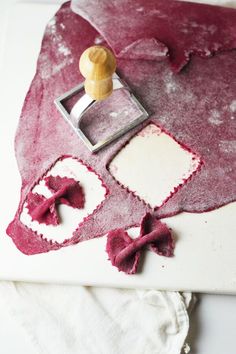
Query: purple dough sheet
{"points": [[197, 106], [154, 28]]}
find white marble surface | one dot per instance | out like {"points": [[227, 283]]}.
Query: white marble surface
{"points": [[213, 321]]}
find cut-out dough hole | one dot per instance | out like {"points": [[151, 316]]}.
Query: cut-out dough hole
{"points": [[94, 193], [152, 165]]}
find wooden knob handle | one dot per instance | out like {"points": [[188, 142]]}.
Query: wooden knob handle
{"points": [[97, 64]]}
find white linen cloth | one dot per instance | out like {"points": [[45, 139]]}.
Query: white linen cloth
{"points": [[62, 319]]}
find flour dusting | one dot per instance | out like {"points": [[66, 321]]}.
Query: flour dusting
{"points": [[228, 146], [233, 106], [62, 51], [113, 114], [170, 84], [98, 40], [215, 118]]}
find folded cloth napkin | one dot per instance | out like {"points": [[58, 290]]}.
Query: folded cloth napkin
{"points": [[88, 320]]}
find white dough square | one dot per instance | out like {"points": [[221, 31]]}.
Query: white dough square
{"points": [[152, 164]]}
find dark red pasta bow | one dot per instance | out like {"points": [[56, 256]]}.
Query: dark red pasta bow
{"points": [[65, 191], [124, 252]]}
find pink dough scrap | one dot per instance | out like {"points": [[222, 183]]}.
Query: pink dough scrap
{"points": [[164, 245], [47, 215], [118, 240], [73, 194], [66, 191], [124, 252]]}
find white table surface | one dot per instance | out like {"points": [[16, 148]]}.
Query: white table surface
{"points": [[213, 321]]}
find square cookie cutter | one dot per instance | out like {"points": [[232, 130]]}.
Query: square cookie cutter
{"points": [[75, 117]]}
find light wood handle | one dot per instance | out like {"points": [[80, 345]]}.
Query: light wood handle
{"points": [[97, 64]]}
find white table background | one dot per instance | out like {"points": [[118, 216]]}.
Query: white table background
{"points": [[212, 322]]}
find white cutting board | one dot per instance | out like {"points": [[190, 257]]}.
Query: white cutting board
{"points": [[205, 254]]}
